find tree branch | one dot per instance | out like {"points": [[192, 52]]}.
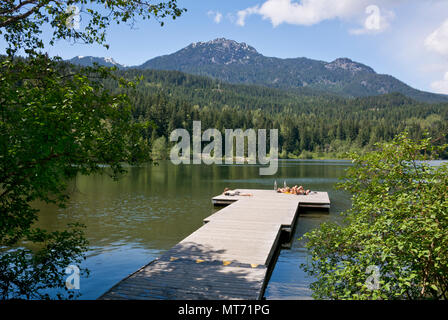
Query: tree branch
{"points": [[13, 19]]}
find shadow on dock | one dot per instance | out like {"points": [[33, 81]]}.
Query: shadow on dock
{"points": [[230, 257], [191, 271]]}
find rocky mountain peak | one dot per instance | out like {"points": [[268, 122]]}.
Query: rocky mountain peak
{"points": [[221, 51], [349, 65], [224, 44], [89, 60], [237, 62]]}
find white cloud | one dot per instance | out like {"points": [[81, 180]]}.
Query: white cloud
{"points": [[413, 32], [377, 21], [218, 17], [437, 41], [307, 12], [441, 86], [242, 14], [215, 15], [373, 18]]}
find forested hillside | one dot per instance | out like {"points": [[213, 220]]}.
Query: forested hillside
{"points": [[239, 63], [309, 125]]}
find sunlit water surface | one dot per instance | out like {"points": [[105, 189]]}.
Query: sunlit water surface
{"points": [[151, 208]]}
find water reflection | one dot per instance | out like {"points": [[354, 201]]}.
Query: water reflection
{"points": [[151, 208]]}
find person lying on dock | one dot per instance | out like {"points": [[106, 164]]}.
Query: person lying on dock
{"points": [[228, 192], [294, 190]]}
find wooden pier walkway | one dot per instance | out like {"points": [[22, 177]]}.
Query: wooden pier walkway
{"points": [[228, 257]]}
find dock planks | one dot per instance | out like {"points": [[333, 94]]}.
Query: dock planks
{"points": [[228, 257]]}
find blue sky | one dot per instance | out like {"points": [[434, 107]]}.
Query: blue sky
{"points": [[405, 38]]}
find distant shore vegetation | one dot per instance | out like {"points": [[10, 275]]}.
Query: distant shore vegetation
{"points": [[310, 126]]}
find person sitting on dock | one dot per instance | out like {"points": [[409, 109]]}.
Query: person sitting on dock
{"points": [[228, 192], [294, 190]]}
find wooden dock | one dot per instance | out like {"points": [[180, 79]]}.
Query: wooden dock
{"points": [[229, 257]]}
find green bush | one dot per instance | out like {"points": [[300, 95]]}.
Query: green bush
{"points": [[397, 224]]}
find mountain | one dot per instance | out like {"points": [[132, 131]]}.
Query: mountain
{"points": [[89, 61], [239, 63], [235, 62]]}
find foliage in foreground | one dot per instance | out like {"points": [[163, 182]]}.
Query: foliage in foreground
{"points": [[398, 223], [54, 125], [57, 122]]}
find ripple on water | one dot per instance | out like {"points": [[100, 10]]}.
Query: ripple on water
{"points": [[132, 221]]}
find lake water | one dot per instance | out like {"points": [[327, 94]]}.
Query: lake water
{"points": [[151, 208]]}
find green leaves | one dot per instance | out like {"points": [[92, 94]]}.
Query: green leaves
{"points": [[21, 24], [398, 223], [26, 273], [55, 123]]}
